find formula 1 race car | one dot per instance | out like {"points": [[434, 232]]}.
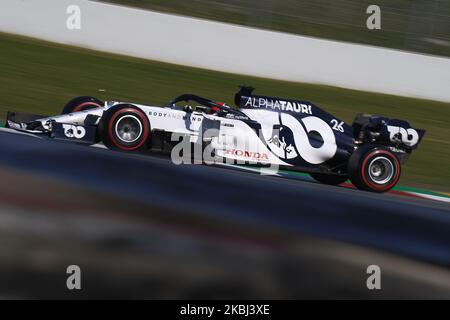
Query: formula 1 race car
{"points": [[261, 131]]}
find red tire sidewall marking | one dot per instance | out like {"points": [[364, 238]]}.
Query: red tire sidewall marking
{"points": [[145, 128], [391, 157], [81, 105]]}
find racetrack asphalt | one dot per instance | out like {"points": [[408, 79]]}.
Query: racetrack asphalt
{"points": [[408, 228]]}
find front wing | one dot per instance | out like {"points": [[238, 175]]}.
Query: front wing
{"points": [[85, 134]]}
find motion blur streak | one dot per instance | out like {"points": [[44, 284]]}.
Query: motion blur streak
{"points": [[241, 50], [139, 226]]}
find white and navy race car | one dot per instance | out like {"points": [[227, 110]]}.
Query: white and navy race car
{"points": [[262, 130]]}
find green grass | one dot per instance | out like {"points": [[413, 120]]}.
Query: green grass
{"points": [[40, 77], [405, 24]]}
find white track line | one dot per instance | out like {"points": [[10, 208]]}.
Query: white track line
{"points": [[432, 197]]}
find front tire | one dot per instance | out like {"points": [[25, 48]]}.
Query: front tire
{"points": [[81, 104], [376, 170], [125, 127]]}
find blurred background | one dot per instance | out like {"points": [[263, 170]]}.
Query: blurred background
{"points": [[140, 227], [412, 25]]}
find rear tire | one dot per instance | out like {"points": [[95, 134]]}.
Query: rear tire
{"points": [[81, 104], [125, 127], [330, 179], [375, 169]]}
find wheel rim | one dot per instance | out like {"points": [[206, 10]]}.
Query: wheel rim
{"points": [[381, 170], [128, 128]]}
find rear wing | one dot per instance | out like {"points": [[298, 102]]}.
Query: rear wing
{"points": [[391, 132]]}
